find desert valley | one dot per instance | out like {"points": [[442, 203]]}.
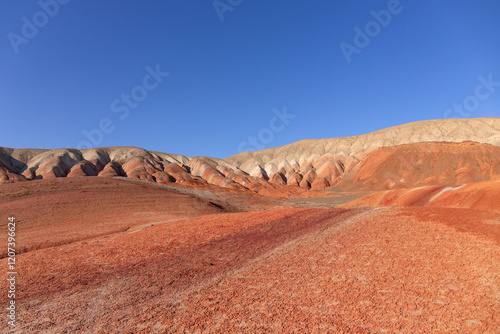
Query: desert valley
{"points": [[394, 231]]}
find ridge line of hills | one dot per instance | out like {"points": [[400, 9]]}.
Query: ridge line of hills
{"points": [[451, 151]]}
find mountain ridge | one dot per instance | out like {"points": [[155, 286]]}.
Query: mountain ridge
{"points": [[466, 129], [311, 164]]}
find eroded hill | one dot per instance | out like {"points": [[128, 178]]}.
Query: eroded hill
{"points": [[423, 153]]}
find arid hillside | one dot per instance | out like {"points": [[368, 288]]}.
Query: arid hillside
{"points": [[397, 231], [437, 152], [423, 164], [480, 130], [482, 196]]}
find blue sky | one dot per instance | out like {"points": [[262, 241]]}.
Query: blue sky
{"points": [[241, 74]]}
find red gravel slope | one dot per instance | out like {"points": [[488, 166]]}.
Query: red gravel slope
{"points": [[63, 210], [482, 196], [401, 270]]}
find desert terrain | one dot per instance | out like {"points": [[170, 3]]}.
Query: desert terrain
{"points": [[396, 231]]}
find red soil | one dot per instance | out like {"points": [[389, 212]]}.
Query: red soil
{"points": [[102, 254], [63, 210], [482, 196], [424, 164], [411, 270]]}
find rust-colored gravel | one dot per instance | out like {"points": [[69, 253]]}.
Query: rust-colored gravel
{"points": [[60, 211], [388, 270]]}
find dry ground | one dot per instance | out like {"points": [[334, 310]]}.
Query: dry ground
{"points": [[288, 270]]}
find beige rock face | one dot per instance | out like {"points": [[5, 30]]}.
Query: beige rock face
{"points": [[383, 159], [481, 130]]}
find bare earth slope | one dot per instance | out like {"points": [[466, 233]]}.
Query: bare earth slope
{"points": [[423, 164], [61, 211], [65, 210], [288, 270], [482, 196]]}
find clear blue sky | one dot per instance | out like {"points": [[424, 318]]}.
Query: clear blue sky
{"points": [[227, 76]]}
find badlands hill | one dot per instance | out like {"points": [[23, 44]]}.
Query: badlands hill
{"points": [[481, 130], [451, 151], [393, 231]]}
